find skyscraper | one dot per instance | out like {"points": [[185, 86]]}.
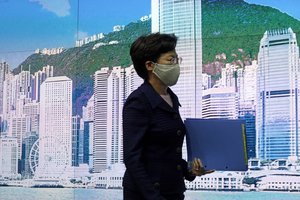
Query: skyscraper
{"points": [[246, 82], [75, 139], [88, 134], [115, 101], [55, 131], [277, 119], [8, 104], [100, 120], [3, 73], [111, 90], [18, 128], [183, 18]]}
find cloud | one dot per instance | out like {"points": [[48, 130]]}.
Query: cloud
{"points": [[81, 35], [60, 7]]}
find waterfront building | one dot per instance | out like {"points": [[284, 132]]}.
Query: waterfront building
{"points": [[220, 181], [280, 183], [55, 131], [109, 178], [80, 172], [277, 110], [8, 157], [279, 175], [183, 18]]}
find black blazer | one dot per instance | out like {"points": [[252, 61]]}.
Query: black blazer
{"points": [[153, 134]]}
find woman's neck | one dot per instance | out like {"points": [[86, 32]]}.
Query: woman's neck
{"points": [[158, 86]]}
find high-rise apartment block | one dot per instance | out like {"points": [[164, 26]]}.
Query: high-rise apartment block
{"points": [[206, 81], [31, 111], [112, 86], [38, 78]]}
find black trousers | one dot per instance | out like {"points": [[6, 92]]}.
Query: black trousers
{"points": [[134, 195]]}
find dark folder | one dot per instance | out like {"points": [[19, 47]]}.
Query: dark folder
{"points": [[219, 143]]}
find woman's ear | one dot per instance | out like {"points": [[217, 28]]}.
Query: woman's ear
{"points": [[149, 65]]}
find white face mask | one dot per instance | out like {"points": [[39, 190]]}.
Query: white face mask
{"points": [[168, 74]]}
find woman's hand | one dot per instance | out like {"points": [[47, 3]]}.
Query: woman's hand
{"points": [[198, 168]]}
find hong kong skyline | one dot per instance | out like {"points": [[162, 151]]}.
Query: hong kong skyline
{"points": [[45, 143]]}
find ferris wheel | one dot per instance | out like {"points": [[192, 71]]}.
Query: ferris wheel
{"points": [[48, 155]]}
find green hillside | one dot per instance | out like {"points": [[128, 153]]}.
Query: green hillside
{"points": [[234, 24], [233, 27]]}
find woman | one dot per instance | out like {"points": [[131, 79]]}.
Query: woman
{"points": [[153, 131]]}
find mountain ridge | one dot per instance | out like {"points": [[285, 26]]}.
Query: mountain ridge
{"points": [[232, 28]]}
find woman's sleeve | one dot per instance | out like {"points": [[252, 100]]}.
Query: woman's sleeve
{"points": [[135, 125]]}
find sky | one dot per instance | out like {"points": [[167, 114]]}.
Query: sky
{"points": [[26, 25]]}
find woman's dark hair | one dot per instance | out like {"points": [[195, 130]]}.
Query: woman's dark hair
{"points": [[150, 48]]}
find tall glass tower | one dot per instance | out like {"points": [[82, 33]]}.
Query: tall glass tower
{"points": [[55, 131], [277, 121], [183, 18]]}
